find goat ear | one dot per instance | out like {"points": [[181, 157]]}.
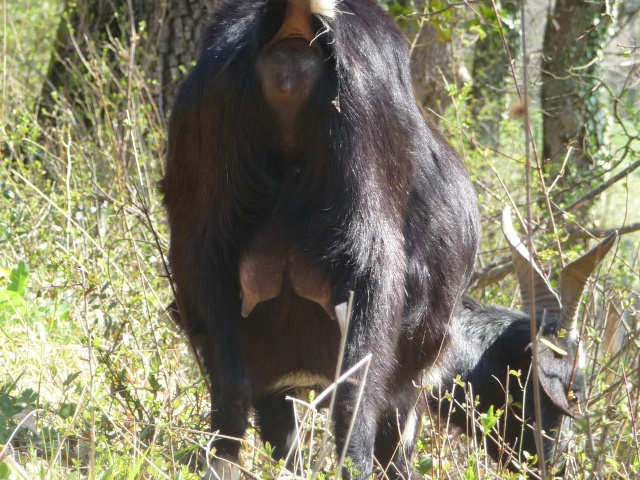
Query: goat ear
{"points": [[544, 296], [574, 278], [554, 373]]}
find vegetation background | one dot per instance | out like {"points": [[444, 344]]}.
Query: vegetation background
{"points": [[96, 382]]}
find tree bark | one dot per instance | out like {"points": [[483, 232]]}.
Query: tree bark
{"points": [[431, 70], [178, 45], [163, 32], [574, 111], [490, 71], [433, 65]]}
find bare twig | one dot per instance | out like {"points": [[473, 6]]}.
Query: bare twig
{"points": [[603, 232], [597, 191], [490, 275], [631, 411], [533, 326]]}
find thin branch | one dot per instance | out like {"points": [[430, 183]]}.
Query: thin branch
{"points": [[529, 143], [597, 191], [603, 232], [490, 275]]}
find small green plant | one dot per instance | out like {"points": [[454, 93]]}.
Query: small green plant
{"points": [[12, 297], [488, 420], [12, 406]]}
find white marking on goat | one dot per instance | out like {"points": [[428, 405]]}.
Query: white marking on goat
{"points": [[409, 432], [326, 8], [300, 379], [341, 315], [291, 449], [573, 335], [221, 470], [582, 357], [432, 377]]}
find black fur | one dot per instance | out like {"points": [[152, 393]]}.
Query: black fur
{"points": [[367, 194], [486, 343]]}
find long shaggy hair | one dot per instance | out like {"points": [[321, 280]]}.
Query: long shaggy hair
{"points": [[364, 196]]}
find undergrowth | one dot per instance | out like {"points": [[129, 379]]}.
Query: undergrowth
{"points": [[95, 380]]}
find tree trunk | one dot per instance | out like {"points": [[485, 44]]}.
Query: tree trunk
{"points": [[431, 70], [178, 45], [159, 35], [574, 111], [490, 71], [432, 55]]}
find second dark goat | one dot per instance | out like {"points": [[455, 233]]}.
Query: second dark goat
{"points": [[489, 342]]}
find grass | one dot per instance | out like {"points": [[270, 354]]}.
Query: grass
{"points": [[96, 382]]}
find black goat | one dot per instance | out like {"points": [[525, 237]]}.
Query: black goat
{"points": [[487, 342], [299, 168]]}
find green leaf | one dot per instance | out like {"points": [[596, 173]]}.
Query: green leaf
{"points": [[8, 407], [396, 9], [155, 384], [5, 471], [425, 464], [18, 278], [70, 378], [28, 397], [268, 449], [488, 420], [10, 301], [62, 311], [469, 473]]}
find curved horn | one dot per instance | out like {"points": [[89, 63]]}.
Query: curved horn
{"points": [[575, 276], [544, 296]]}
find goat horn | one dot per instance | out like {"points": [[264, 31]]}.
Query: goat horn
{"points": [[574, 278], [544, 296]]}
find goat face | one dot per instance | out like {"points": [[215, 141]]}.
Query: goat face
{"points": [[560, 357]]}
